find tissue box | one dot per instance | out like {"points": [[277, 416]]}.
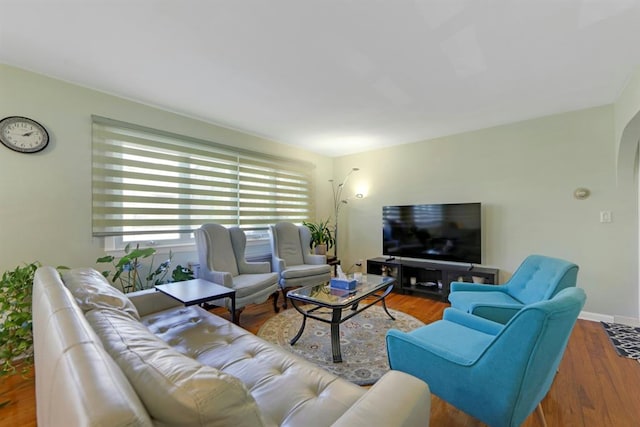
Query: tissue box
{"points": [[349, 284], [340, 292]]}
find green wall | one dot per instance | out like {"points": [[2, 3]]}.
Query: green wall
{"points": [[46, 197], [627, 129], [524, 174]]}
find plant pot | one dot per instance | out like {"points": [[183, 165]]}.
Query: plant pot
{"points": [[321, 249]]}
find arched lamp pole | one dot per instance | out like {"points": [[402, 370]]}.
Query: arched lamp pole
{"points": [[338, 202]]}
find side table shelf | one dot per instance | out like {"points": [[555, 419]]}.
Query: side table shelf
{"points": [[430, 278]]}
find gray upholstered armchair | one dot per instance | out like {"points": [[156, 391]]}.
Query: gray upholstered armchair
{"points": [[292, 259], [221, 252]]}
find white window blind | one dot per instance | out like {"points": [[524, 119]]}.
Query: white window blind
{"points": [[147, 181]]}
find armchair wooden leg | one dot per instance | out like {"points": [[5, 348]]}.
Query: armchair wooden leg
{"points": [[540, 413], [275, 301], [284, 296], [236, 320]]}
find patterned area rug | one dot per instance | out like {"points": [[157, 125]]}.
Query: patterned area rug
{"points": [[625, 339], [362, 339]]}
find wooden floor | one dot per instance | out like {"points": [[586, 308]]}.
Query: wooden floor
{"points": [[594, 386]]}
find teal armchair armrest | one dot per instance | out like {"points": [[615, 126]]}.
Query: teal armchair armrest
{"points": [[403, 347], [474, 287], [471, 321], [500, 313]]}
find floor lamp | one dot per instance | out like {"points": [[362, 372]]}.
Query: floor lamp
{"points": [[338, 202]]}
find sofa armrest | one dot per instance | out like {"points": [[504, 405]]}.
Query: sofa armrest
{"points": [[151, 301], [314, 259], [376, 408], [277, 264], [254, 267], [221, 278]]}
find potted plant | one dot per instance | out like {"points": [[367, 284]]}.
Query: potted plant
{"points": [[129, 271], [321, 236], [16, 338]]}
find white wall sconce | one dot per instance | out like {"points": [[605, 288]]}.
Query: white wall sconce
{"points": [[581, 193]]}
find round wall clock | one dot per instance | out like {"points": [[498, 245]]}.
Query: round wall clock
{"points": [[23, 134]]}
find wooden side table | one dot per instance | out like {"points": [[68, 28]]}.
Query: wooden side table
{"points": [[334, 262]]}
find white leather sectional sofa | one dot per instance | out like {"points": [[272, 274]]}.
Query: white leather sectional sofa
{"points": [[106, 359]]}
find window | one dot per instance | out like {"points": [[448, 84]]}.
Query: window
{"points": [[157, 186]]}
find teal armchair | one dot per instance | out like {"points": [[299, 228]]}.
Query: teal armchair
{"points": [[538, 278], [493, 372]]}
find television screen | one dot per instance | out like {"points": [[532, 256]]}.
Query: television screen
{"points": [[445, 232]]}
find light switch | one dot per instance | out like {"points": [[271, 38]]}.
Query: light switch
{"points": [[605, 216]]}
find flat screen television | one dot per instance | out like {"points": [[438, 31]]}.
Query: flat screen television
{"points": [[443, 232]]}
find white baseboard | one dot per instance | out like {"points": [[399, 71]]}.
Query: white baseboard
{"points": [[595, 317], [629, 321]]}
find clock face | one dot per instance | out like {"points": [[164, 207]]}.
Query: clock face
{"points": [[23, 134]]}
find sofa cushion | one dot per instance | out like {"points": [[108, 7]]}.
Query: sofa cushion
{"points": [[251, 284], [290, 391], [92, 290], [176, 389]]}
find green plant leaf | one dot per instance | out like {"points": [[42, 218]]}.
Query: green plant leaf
{"points": [[142, 253], [137, 269], [181, 274], [16, 336], [320, 233], [106, 258]]}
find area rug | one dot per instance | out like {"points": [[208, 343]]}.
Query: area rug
{"points": [[625, 339], [362, 341]]}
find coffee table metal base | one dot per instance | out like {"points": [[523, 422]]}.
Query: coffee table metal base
{"points": [[337, 318]]}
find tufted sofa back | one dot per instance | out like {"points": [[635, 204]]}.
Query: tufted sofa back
{"points": [[77, 383]]}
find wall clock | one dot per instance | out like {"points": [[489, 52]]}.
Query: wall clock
{"points": [[23, 134]]}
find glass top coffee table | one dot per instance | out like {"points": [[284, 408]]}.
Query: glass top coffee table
{"points": [[338, 300]]}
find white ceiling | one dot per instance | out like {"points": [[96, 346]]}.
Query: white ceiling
{"points": [[335, 77]]}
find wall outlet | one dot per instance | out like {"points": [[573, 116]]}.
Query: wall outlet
{"points": [[605, 216]]}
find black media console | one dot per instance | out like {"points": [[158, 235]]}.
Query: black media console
{"points": [[430, 278]]}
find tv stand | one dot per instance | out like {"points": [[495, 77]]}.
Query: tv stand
{"points": [[430, 278]]}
